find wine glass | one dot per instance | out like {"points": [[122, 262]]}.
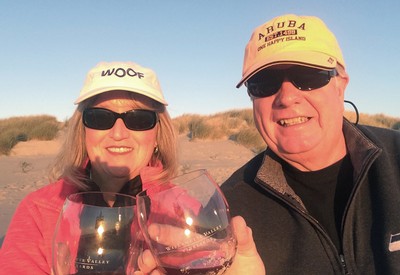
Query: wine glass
{"points": [[186, 225], [97, 233]]}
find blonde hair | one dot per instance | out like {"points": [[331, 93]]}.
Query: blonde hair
{"points": [[71, 162]]}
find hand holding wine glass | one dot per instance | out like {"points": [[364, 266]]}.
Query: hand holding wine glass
{"points": [[246, 261], [186, 224]]}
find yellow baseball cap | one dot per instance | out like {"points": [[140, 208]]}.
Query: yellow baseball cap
{"points": [[291, 39], [126, 76]]}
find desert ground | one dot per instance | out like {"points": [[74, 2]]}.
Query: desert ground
{"points": [[25, 169]]}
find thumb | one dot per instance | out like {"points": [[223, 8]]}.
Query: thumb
{"points": [[244, 236], [247, 259]]}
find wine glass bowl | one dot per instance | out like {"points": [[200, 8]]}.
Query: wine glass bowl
{"points": [[96, 233], [186, 225]]}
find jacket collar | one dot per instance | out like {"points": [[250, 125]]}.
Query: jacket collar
{"points": [[361, 149]]}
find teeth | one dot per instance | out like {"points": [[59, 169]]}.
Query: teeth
{"points": [[119, 149], [292, 121]]}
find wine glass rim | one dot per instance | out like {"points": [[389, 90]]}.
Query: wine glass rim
{"points": [[176, 181], [74, 197]]}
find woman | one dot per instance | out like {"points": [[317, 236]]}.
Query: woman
{"points": [[101, 152]]}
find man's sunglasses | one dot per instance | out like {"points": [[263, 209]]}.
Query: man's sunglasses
{"points": [[268, 82], [104, 119]]}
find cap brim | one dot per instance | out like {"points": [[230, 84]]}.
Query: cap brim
{"points": [[304, 58], [120, 88]]}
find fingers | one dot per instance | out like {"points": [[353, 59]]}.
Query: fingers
{"points": [[147, 264], [146, 261]]}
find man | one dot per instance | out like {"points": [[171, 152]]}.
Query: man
{"points": [[324, 198]]}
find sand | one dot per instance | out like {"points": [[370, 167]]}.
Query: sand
{"points": [[25, 169]]}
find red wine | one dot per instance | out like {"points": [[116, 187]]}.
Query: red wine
{"points": [[211, 270]]}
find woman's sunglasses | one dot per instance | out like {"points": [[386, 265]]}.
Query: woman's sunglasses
{"points": [[104, 119], [268, 82]]}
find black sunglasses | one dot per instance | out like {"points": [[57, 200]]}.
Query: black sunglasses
{"points": [[268, 82], [104, 119]]}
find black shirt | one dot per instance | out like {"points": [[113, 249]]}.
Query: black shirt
{"points": [[324, 193]]}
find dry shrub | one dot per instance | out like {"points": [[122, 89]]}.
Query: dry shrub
{"points": [[238, 125], [197, 128], [16, 129], [251, 139], [377, 120], [8, 139], [181, 123]]}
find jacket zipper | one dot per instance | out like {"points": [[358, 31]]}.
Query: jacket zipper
{"points": [[311, 219], [357, 186], [343, 262]]}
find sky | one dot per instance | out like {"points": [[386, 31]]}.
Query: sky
{"points": [[196, 48]]}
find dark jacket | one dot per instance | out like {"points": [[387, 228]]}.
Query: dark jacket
{"points": [[290, 241]]}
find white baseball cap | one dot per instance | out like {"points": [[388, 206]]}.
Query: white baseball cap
{"points": [[126, 76]]}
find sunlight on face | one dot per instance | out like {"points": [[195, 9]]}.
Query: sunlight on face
{"points": [[119, 152], [297, 124]]}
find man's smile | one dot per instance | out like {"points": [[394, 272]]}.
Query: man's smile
{"points": [[293, 121]]}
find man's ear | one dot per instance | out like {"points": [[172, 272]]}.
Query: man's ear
{"points": [[341, 84]]}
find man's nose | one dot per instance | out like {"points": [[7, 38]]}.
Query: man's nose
{"points": [[287, 94]]}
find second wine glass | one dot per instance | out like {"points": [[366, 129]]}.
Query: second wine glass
{"points": [[186, 224]]}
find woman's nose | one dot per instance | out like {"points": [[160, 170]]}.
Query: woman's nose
{"points": [[119, 130]]}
